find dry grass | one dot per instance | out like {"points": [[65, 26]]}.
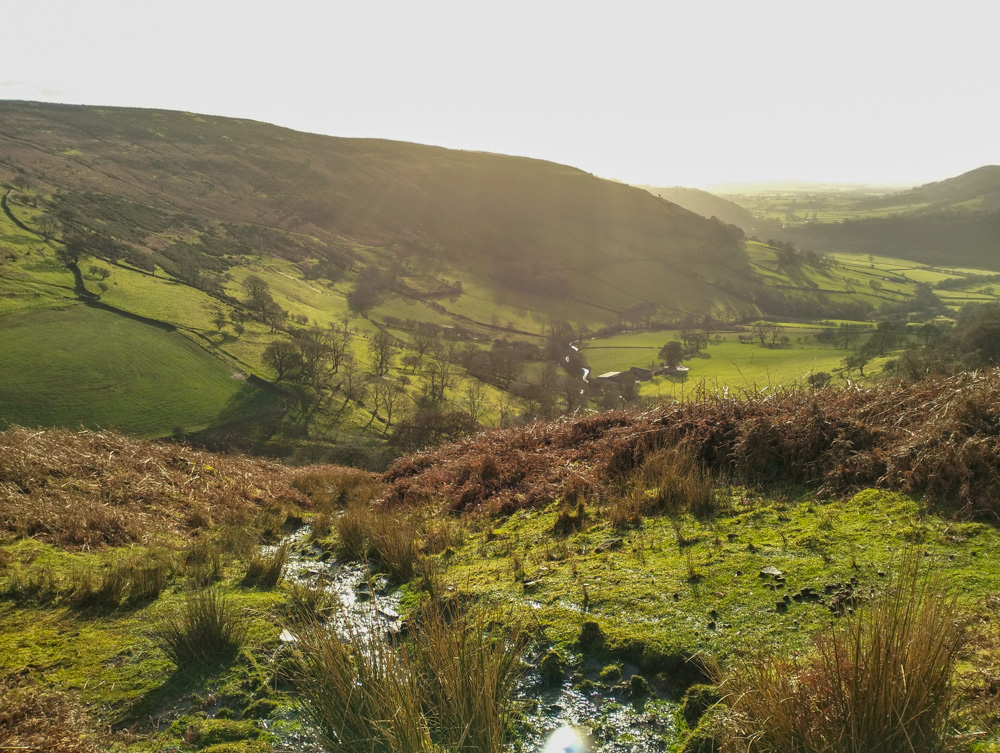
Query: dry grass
{"points": [[90, 489], [360, 694], [939, 438], [34, 719], [879, 682], [468, 670]]}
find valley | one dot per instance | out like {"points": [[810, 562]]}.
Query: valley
{"points": [[326, 444]]}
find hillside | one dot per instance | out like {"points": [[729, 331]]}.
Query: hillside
{"points": [[950, 222], [707, 205], [977, 189], [623, 556], [196, 190]]}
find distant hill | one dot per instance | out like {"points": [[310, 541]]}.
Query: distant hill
{"points": [[706, 204], [950, 222], [192, 190], [977, 189]]}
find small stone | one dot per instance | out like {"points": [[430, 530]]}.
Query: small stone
{"points": [[770, 572], [287, 636]]}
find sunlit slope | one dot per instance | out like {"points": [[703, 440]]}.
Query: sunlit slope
{"points": [[83, 367], [953, 222], [156, 179]]}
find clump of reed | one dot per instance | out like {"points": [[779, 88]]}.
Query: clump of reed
{"points": [[450, 689], [208, 629], [388, 538], [879, 681], [265, 568]]}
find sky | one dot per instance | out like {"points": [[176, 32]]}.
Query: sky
{"points": [[692, 93]]}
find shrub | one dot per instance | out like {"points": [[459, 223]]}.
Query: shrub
{"points": [[879, 681], [208, 629]]}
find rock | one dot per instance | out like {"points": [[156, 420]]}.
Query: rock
{"points": [[770, 572], [389, 613], [287, 636]]}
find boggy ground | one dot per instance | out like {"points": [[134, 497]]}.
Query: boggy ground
{"points": [[638, 551]]}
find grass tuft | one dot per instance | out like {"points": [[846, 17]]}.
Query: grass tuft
{"points": [[207, 630], [879, 681], [451, 690], [266, 568]]}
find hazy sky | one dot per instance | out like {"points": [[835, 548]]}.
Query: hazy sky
{"points": [[689, 93]]}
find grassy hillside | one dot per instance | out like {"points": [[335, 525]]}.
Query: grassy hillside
{"points": [[709, 205], [85, 367], [190, 189], [622, 555]]}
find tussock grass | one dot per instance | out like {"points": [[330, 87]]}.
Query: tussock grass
{"points": [[451, 690], [207, 629], [361, 693], [879, 681], [394, 541], [469, 667], [388, 538], [202, 561], [265, 569], [353, 528]]}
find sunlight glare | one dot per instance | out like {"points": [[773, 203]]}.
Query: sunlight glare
{"points": [[565, 740]]}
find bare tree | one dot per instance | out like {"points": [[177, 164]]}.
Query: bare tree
{"points": [[382, 349], [476, 401]]}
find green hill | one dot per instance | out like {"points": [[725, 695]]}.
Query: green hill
{"points": [[197, 191], [952, 222]]}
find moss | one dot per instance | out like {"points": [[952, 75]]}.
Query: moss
{"points": [[638, 687], [697, 700], [552, 668], [610, 674]]}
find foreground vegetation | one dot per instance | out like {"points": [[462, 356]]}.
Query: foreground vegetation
{"points": [[761, 545]]}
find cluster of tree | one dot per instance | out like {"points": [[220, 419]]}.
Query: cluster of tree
{"points": [[888, 335], [371, 282], [260, 304]]}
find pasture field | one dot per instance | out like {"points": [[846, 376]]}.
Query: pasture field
{"points": [[725, 363], [82, 367]]}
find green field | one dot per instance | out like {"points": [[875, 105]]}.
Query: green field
{"points": [[726, 363], [80, 366]]}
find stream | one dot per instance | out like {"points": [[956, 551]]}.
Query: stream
{"points": [[556, 719]]}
